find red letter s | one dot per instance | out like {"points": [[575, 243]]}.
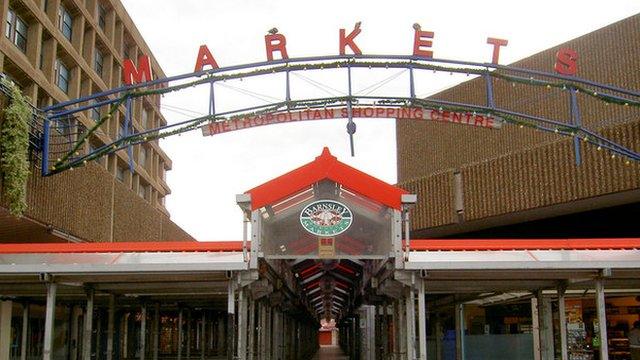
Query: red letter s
{"points": [[566, 62]]}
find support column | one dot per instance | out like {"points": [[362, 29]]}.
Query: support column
{"points": [[189, 334], [156, 330], [203, 335], [6, 307], [48, 321], [535, 328], [110, 326], [76, 333], [402, 329], [546, 327], [143, 331], [231, 310], [459, 309], [602, 320], [562, 318], [88, 327], [396, 329], [180, 335], [422, 321], [385, 330], [439, 337], [252, 328], [267, 330], [242, 324], [25, 332], [411, 324]]}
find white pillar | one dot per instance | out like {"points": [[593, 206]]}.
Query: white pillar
{"points": [[188, 333], [422, 321], [459, 316], [242, 324], [88, 327], [535, 328], [6, 307], [562, 318], [143, 331], [546, 327], [180, 335], [25, 332], [156, 330], [48, 321], [110, 326], [602, 320], [251, 328], [203, 335], [411, 324]]}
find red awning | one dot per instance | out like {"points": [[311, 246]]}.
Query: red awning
{"points": [[325, 166]]}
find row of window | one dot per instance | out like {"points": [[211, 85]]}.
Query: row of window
{"points": [[16, 31], [144, 190]]}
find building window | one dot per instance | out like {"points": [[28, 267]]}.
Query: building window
{"points": [[62, 76], [145, 118], [120, 173], [142, 158], [95, 112], [41, 59], [143, 191], [98, 61], [16, 30], [65, 22], [102, 16]]}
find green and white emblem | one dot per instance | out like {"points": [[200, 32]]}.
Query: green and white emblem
{"points": [[326, 218]]}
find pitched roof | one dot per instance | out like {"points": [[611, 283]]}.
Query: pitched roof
{"points": [[325, 166]]}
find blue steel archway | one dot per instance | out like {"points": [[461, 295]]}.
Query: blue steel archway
{"points": [[61, 150]]}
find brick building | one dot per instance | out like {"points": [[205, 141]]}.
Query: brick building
{"points": [[56, 50], [520, 182]]}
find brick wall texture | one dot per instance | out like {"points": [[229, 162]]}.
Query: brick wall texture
{"points": [[91, 205], [516, 169]]}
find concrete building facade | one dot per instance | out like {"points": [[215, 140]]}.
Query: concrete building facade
{"points": [[56, 50], [471, 180]]}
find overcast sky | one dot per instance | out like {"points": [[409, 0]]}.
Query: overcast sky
{"points": [[209, 171]]}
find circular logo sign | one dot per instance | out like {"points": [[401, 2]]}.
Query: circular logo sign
{"points": [[326, 218]]}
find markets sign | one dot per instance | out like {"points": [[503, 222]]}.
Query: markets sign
{"points": [[326, 218], [409, 113], [276, 43]]}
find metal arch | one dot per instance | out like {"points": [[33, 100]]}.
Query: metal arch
{"points": [[122, 95]]}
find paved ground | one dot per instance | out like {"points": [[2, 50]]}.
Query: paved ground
{"points": [[330, 353]]}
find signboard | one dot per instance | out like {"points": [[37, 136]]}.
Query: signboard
{"points": [[409, 113], [326, 218], [326, 247]]}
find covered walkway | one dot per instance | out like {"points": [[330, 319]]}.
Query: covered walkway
{"points": [[324, 241], [330, 353]]}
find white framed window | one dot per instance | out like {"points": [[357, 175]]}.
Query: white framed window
{"points": [[102, 16], [65, 22], [16, 30], [62, 76], [98, 61]]}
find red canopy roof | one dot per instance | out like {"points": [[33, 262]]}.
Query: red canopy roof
{"points": [[325, 166]]}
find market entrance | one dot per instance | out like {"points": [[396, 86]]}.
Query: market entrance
{"points": [[326, 250]]}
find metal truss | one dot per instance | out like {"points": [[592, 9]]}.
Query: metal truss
{"points": [[63, 149]]}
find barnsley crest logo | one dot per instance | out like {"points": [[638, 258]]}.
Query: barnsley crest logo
{"points": [[326, 218]]}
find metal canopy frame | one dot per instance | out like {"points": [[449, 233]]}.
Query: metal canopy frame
{"points": [[121, 96]]}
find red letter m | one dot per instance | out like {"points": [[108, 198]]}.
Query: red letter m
{"points": [[132, 75]]}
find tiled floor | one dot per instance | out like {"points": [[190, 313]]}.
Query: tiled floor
{"points": [[330, 353]]}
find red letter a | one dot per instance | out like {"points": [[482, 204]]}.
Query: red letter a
{"points": [[205, 58]]}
